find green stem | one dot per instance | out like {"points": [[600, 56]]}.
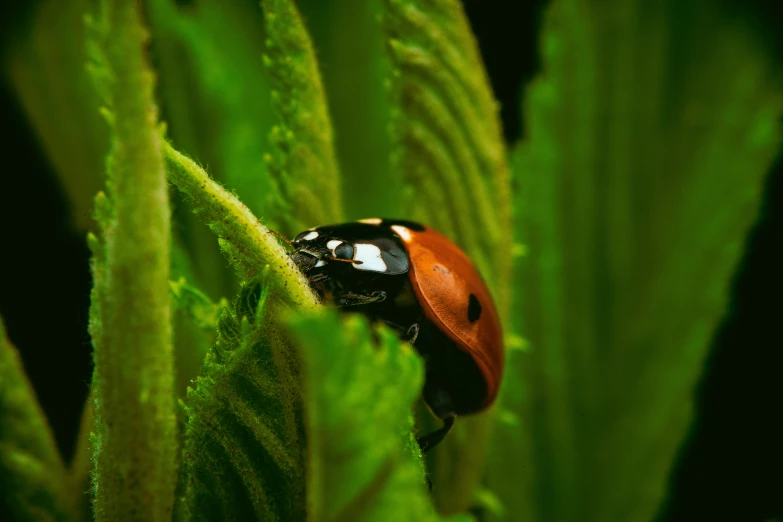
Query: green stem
{"points": [[249, 245]]}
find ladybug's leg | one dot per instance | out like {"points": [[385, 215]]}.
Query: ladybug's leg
{"points": [[408, 334], [317, 278], [394, 326], [441, 405], [412, 333], [359, 299], [430, 440]]}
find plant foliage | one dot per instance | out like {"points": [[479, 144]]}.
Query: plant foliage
{"points": [[363, 460], [33, 478], [135, 443], [647, 136], [640, 176], [246, 242], [304, 164], [53, 54], [242, 456]]}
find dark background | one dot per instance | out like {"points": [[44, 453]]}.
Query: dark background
{"points": [[732, 465]]}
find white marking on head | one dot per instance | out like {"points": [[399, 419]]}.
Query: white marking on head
{"points": [[371, 221], [334, 243], [403, 232], [312, 235], [320, 263], [370, 256]]}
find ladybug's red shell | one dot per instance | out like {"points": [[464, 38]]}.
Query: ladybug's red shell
{"points": [[455, 298]]}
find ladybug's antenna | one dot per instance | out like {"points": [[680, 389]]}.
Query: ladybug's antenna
{"points": [[352, 261], [278, 235]]}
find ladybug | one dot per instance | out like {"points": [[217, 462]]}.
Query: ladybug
{"points": [[422, 285]]}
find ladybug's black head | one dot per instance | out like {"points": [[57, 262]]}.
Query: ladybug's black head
{"points": [[365, 247], [315, 249]]}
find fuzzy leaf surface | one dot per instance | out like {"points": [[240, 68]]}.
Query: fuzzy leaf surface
{"points": [[135, 444], [243, 453], [364, 463]]}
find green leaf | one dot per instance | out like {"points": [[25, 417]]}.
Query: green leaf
{"points": [[33, 481], [649, 135], [46, 70], [364, 463], [449, 150], [249, 245], [304, 163], [135, 444], [243, 455]]}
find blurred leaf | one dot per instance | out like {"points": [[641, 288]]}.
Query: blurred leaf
{"points": [[649, 134], [216, 103], [46, 69], [33, 481], [449, 150], [243, 457], [304, 162], [364, 463], [355, 68], [215, 93], [135, 445], [248, 244]]}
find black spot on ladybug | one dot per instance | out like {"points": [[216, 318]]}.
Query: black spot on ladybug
{"points": [[411, 225], [474, 309], [438, 268]]}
